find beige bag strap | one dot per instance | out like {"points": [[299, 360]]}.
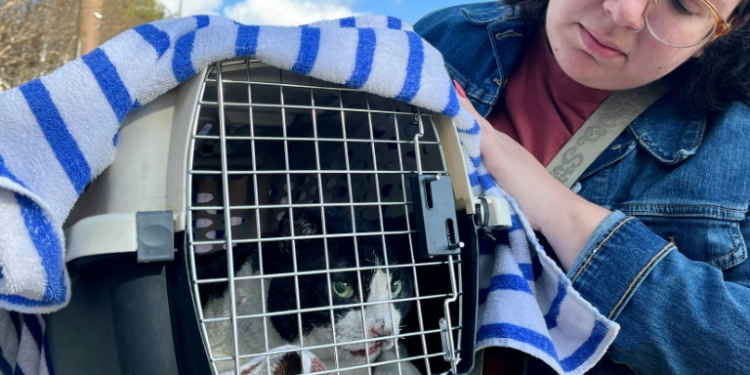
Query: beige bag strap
{"points": [[601, 129]]}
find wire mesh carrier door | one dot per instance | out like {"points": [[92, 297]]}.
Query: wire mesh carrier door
{"points": [[309, 184]]}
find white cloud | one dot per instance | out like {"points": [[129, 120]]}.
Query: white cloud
{"points": [[288, 12], [190, 7]]}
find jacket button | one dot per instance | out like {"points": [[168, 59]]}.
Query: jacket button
{"points": [[499, 36], [576, 187]]}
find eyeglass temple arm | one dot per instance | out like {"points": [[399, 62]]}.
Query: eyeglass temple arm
{"points": [[722, 27]]}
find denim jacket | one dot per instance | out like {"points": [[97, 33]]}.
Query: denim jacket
{"points": [[670, 263]]}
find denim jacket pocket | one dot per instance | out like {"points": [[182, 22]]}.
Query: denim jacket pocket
{"points": [[706, 234]]}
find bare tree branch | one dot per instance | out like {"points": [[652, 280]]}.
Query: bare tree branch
{"points": [[39, 36]]}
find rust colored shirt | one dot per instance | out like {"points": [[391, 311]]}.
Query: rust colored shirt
{"points": [[543, 107]]}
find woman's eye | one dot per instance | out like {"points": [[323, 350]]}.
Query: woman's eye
{"points": [[343, 289], [687, 7], [396, 287]]}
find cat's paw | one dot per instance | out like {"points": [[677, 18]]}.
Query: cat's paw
{"points": [[392, 368]]}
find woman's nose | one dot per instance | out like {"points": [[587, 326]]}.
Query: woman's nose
{"points": [[627, 13]]}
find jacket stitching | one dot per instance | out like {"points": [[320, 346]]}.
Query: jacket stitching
{"points": [[682, 210], [659, 153], [604, 185], [689, 205], [685, 215], [638, 277], [482, 97], [736, 248], [735, 262], [496, 53], [508, 14], [591, 256]]}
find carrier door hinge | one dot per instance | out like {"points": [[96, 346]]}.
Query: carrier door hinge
{"points": [[492, 213], [155, 231]]}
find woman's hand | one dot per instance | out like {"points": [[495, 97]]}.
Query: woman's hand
{"points": [[563, 217]]}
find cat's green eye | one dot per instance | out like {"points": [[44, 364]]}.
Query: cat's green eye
{"points": [[396, 287], [343, 289]]}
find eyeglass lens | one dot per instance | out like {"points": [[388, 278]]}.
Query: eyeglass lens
{"points": [[680, 23]]}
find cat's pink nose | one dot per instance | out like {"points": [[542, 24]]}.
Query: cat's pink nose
{"points": [[380, 331]]}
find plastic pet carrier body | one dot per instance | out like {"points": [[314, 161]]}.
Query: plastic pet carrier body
{"points": [[260, 221]]}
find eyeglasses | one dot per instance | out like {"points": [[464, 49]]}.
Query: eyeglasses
{"points": [[684, 23]]}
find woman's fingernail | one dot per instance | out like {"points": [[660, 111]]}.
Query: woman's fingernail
{"points": [[459, 89]]}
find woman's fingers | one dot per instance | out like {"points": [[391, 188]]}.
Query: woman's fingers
{"points": [[464, 101]]}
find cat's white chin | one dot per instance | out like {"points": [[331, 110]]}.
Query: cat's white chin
{"points": [[372, 352]]}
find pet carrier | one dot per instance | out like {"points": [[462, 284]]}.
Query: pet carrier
{"points": [[260, 221]]}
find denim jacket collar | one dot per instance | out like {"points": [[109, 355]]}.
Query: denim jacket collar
{"points": [[668, 131], [506, 34], [487, 13]]}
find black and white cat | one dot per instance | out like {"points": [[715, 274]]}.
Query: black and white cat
{"points": [[280, 294]]}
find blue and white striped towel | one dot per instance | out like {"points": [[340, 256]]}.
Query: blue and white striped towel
{"points": [[23, 346], [57, 132]]}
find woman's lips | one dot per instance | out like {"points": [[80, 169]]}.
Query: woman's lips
{"points": [[598, 49]]}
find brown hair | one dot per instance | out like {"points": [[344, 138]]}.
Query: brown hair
{"points": [[720, 76]]}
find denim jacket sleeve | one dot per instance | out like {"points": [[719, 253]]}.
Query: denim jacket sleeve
{"points": [[676, 315]]}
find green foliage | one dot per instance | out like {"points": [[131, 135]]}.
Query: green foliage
{"points": [[120, 15], [142, 11]]}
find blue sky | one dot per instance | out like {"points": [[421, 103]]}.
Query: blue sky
{"points": [[303, 11]]}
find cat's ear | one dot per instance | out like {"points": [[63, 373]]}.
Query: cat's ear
{"points": [[306, 222]]}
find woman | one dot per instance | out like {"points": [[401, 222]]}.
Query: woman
{"points": [[655, 231]]}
